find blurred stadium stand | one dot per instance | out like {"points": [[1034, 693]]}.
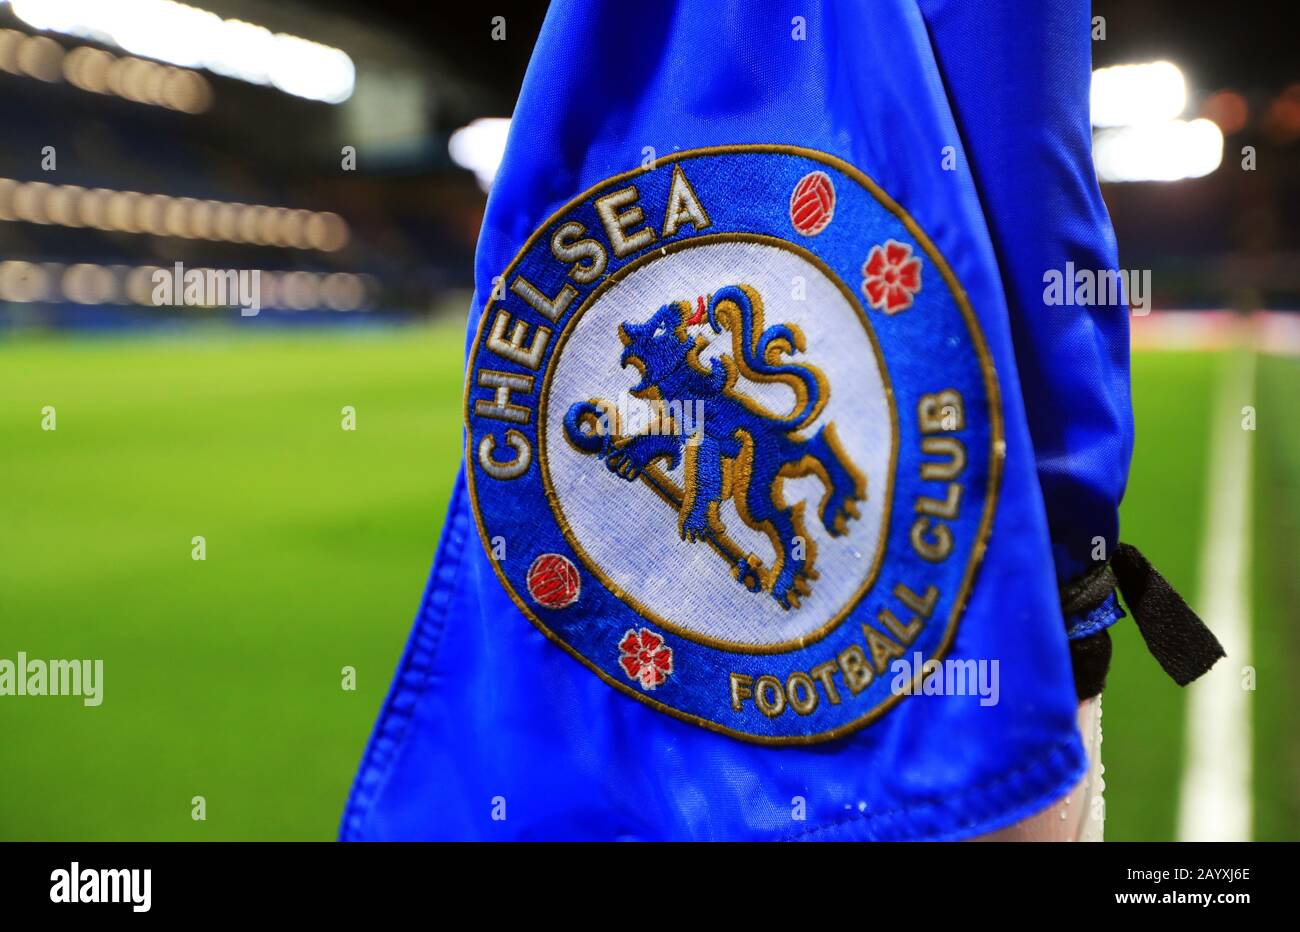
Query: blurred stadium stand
{"points": [[136, 112], [392, 238]]}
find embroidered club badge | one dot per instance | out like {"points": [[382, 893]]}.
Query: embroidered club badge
{"points": [[734, 440]]}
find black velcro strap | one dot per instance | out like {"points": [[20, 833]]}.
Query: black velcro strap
{"points": [[1176, 637], [1090, 659], [1088, 591]]}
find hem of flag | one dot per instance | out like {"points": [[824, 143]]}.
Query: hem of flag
{"points": [[412, 670], [979, 810]]}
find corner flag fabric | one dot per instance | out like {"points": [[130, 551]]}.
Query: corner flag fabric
{"points": [[750, 540]]}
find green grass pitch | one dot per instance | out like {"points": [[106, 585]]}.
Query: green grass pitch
{"points": [[223, 676]]}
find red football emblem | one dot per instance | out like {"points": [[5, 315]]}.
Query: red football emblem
{"points": [[553, 581], [812, 205]]}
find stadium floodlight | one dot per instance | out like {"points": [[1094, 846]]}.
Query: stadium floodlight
{"points": [[1140, 137], [191, 37], [1130, 95], [311, 70], [480, 146], [1165, 151]]}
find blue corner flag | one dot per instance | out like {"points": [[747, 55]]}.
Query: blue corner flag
{"points": [[775, 452]]}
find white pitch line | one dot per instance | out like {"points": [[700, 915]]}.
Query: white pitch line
{"points": [[1215, 797]]}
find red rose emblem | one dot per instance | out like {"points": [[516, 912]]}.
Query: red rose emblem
{"points": [[891, 277], [645, 658]]}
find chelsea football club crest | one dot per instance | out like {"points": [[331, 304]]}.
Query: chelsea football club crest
{"points": [[733, 440]]}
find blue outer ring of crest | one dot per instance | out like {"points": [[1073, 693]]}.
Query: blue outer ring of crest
{"points": [[934, 345]]}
